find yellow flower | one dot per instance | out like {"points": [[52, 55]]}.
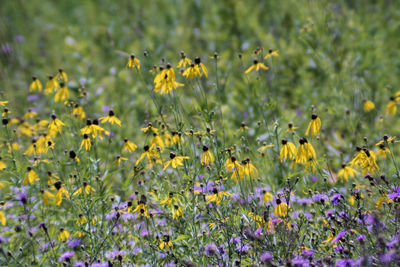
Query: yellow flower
{"points": [[149, 127], [2, 164], [201, 67], [51, 85], [111, 118], [358, 158], [315, 125], [141, 208], [305, 152], [63, 235], [62, 93], [53, 178], [206, 157], [2, 218], [119, 159], [369, 163], [175, 161], [192, 71], [55, 126], [170, 200], [46, 196], [61, 191], [30, 114], [165, 81], [78, 112], [288, 149], [391, 106], [128, 146], [149, 153], [44, 143], [86, 142], [267, 196], [30, 176], [264, 147], [94, 129], [177, 212], [383, 150], [184, 61], [291, 127], [85, 188], [256, 65], [281, 208], [36, 85], [3, 103], [157, 141], [249, 168], [165, 243], [217, 196], [329, 239], [133, 62], [272, 53], [62, 76], [368, 105], [346, 172]]}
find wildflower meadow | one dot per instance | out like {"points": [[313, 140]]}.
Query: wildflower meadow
{"points": [[199, 133]]}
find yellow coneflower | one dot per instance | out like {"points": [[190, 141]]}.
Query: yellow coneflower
{"points": [[2, 164], [74, 157], [346, 172], [368, 105], [141, 208], [30, 114], [35, 85], [177, 138], [86, 142], [256, 66], [192, 71], [177, 212], [51, 85], [149, 153], [174, 161], [63, 235], [62, 76], [62, 93], [383, 151], [3, 103], [111, 118], [314, 125], [93, 129], [46, 196], [267, 197], [61, 191], [201, 67], [369, 163], [149, 127], [165, 243], [391, 106], [272, 53], [288, 149], [53, 178], [85, 188], [305, 152], [264, 147], [206, 157], [184, 61], [133, 62], [30, 176], [170, 200], [281, 208], [3, 220], [128, 146], [358, 158], [78, 112], [44, 143], [217, 196], [119, 159], [55, 126], [157, 141], [249, 169], [291, 127]]}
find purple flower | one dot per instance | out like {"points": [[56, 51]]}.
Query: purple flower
{"points": [[32, 98], [266, 257], [339, 236], [21, 197], [335, 198], [395, 193], [243, 248], [210, 249], [79, 264], [19, 38], [73, 243], [360, 238], [66, 256], [345, 263], [319, 197], [299, 261], [388, 256]]}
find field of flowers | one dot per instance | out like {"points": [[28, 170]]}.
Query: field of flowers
{"points": [[199, 133]]}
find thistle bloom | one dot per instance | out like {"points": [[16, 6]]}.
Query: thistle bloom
{"points": [[314, 126], [288, 149], [206, 157], [36, 85], [346, 172], [85, 188], [62, 93], [256, 66], [111, 118], [368, 105], [31, 176], [86, 142], [174, 161], [128, 146], [133, 62]]}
